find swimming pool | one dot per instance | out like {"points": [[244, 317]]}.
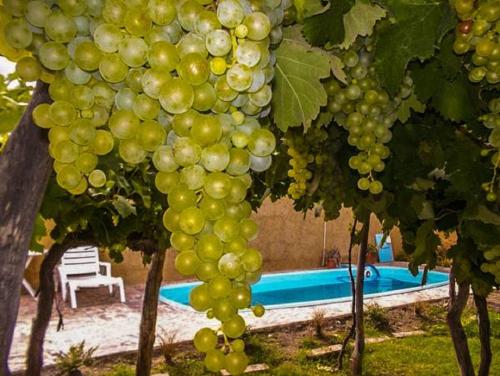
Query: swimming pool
{"points": [[305, 288]]}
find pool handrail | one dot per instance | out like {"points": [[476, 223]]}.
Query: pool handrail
{"points": [[374, 268]]}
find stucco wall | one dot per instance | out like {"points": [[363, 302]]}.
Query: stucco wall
{"points": [[287, 240]]}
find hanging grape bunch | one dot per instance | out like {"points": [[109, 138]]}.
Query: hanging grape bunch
{"points": [[365, 110], [478, 32], [181, 85]]}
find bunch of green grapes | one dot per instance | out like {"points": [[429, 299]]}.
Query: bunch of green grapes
{"points": [[492, 264], [478, 31], [178, 84], [366, 111], [299, 159], [491, 120]]}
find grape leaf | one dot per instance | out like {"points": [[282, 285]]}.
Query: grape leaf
{"points": [[308, 8], [412, 35], [483, 214], [360, 20], [327, 27], [298, 93], [123, 206], [494, 138], [407, 105]]}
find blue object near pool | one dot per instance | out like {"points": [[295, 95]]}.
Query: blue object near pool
{"points": [[385, 253], [296, 289]]}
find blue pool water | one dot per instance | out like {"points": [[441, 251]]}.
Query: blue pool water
{"points": [[318, 287]]}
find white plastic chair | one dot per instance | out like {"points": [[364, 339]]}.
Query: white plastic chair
{"points": [[80, 268]]}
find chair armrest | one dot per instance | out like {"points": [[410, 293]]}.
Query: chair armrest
{"points": [[107, 267]]}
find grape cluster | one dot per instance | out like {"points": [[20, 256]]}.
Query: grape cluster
{"points": [[365, 110], [306, 155], [478, 31], [492, 264], [491, 120], [181, 85]]}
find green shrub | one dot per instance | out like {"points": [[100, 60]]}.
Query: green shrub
{"points": [[121, 369], [69, 363], [377, 317]]}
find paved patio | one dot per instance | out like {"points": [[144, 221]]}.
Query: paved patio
{"points": [[103, 321]]}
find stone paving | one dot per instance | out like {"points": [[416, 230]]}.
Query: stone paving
{"points": [[103, 321]]}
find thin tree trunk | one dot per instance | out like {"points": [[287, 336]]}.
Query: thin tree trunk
{"points": [[359, 343], [350, 334], [456, 306], [425, 274], [147, 333], [34, 360], [25, 167], [483, 321]]}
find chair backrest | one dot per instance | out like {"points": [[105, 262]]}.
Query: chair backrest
{"points": [[81, 260], [385, 253]]}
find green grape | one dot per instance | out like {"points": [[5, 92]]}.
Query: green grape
{"points": [[262, 143], [205, 340], [72, 7], [83, 98], [194, 69], [223, 309], [193, 177], [239, 162], [41, 116], [209, 248], [199, 298], [112, 68], [137, 22], [236, 363], [65, 151], [204, 97], [114, 12], [133, 51], [181, 198], [238, 345], [187, 263], [165, 182], [69, 177], [206, 130], [18, 34], [223, 90], [206, 271], [258, 310], [162, 12], [37, 13], [134, 79], [28, 68], [191, 220], [258, 25], [103, 142], [212, 209], [130, 151], [123, 124], [251, 260], [80, 188], [230, 13], [62, 113], [154, 80], [177, 97], [187, 14], [234, 327], [206, 21], [97, 178], [107, 37], [151, 135], [82, 132], [219, 287], [171, 220], [186, 151], [248, 229], [60, 28], [163, 159], [54, 56], [248, 53], [214, 360], [218, 42], [163, 55], [217, 185], [182, 241], [145, 108], [241, 297], [230, 265], [86, 162], [239, 77]]}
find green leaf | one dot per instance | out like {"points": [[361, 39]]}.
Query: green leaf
{"points": [[360, 21], [39, 231], [123, 206], [308, 8], [426, 242], [413, 34], [298, 93], [406, 107], [328, 27], [483, 214], [494, 138]]}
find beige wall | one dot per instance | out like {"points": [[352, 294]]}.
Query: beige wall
{"points": [[287, 240]]}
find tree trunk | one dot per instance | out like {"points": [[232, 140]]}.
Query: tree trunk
{"points": [[350, 334], [25, 166], [456, 307], [34, 359], [359, 343], [483, 321], [147, 333]]}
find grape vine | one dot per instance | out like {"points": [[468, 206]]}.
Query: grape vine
{"points": [[181, 85]]}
